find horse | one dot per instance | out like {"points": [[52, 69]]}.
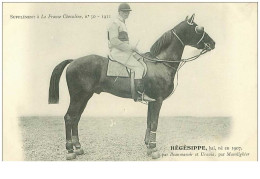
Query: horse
{"points": [[87, 75]]}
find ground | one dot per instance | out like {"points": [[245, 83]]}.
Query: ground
{"points": [[117, 138]]}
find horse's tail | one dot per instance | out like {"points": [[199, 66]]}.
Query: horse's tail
{"points": [[54, 82]]}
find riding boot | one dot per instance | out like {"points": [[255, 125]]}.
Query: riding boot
{"points": [[141, 96]]}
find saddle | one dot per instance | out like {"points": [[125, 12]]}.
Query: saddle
{"points": [[116, 69]]}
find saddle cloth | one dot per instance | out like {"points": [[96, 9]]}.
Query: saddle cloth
{"points": [[116, 69]]}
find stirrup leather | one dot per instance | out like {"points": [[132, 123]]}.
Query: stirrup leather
{"points": [[141, 99]]}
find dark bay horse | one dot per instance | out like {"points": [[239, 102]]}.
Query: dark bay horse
{"points": [[87, 75]]}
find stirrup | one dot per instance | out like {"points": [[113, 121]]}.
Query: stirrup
{"points": [[144, 98]]}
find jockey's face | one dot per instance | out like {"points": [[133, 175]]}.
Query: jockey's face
{"points": [[124, 14]]}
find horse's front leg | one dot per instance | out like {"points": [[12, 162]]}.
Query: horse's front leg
{"points": [[153, 110], [148, 129]]}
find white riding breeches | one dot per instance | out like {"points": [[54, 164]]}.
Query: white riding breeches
{"points": [[128, 59]]}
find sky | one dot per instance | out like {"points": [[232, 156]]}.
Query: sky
{"points": [[220, 83]]}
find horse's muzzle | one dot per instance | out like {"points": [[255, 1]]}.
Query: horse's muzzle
{"points": [[209, 46]]}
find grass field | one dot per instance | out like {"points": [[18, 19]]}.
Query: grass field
{"points": [[117, 138]]}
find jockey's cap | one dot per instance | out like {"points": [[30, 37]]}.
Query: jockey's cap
{"points": [[124, 7]]}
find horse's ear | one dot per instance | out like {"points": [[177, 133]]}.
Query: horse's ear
{"points": [[187, 18], [190, 21]]}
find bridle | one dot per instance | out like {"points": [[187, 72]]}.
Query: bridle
{"points": [[203, 51], [164, 61]]}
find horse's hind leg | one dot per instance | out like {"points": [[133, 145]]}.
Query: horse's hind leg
{"points": [[75, 135], [78, 102]]}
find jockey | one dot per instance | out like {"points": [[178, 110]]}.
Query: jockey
{"points": [[121, 51]]}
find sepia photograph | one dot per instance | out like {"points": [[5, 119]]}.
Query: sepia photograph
{"points": [[129, 81]]}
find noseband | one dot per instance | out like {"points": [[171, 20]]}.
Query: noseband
{"points": [[201, 38]]}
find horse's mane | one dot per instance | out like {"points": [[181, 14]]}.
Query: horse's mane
{"points": [[162, 43]]}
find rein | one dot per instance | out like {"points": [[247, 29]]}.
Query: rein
{"points": [[174, 61], [205, 50]]}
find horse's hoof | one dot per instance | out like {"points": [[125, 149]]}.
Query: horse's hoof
{"points": [[70, 156], [155, 155], [150, 151], [79, 151]]}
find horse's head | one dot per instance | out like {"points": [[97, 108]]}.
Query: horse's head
{"points": [[193, 35]]}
